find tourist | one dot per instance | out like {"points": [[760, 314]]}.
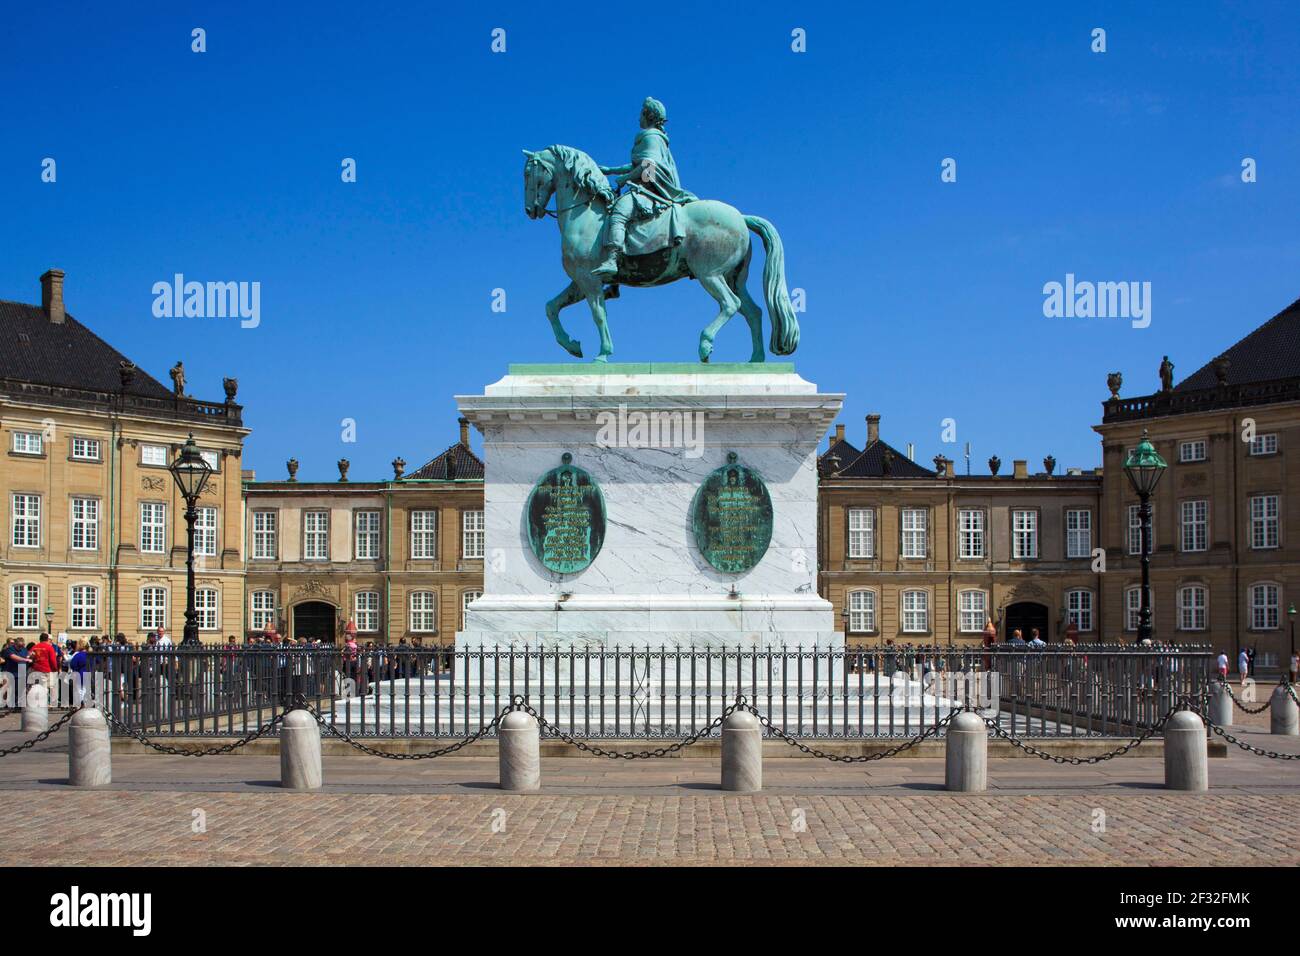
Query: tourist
{"points": [[1222, 664], [1017, 638], [1035, 640], [1250, 660], [1243, 665], [1295, 665]]}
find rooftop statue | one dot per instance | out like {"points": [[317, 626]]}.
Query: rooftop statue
{"points": [[654, 233]]}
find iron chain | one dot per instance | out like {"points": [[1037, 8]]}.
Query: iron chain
{"points": [[1243, 707], [234, 745], [1259, 751], [548, 727], [847, 758], [26, 745], [1078, 761], [375, 752]]}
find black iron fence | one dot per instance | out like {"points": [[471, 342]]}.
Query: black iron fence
{"points": [[639, 692]]}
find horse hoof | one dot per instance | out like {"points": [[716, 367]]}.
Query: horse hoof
{"points": [[574, 348], [601, 358]]}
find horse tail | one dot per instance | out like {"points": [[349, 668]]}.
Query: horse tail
{"points": [[785, 327]]}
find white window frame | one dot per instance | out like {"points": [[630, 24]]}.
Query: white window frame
{"points": [[1133, 607], [147, 452], [1265, 522], [970, 534], [1193, 615], [971, 614], [266, 535], [83, 607], [86, 444], [205, 532], [83, 523], [261, 609], [861, 603], [365, 611], [213, 459], [26, 521], [153, 614], [471, 533], [207, 608], [28, 443], [1194, 524], [1134, 538], [1024, 534], [362, 520], [1078, 539], [25, 606], [466, 599], [153, 527], [861, 533], [315, 539], [1193, 450], [1265, 444], [913, 529], [914, 605], [423, 606], [1079, 606], [1265, 614], [424, 534]]}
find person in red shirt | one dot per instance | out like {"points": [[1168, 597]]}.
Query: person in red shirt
{"points": [[45, 662]]}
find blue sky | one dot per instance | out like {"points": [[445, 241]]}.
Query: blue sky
{"points": [[924, 298]]}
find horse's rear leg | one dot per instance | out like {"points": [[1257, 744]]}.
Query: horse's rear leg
{"points": [[568, 297], [728, 305], [750, 310]]}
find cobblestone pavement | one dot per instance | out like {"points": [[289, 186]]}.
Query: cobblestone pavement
{"points": [[596, 812]]}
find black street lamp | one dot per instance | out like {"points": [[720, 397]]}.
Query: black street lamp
{"points": [[191, 473], [1290, 613], [1144, 468]]}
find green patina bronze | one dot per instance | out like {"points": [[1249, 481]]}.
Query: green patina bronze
{"points": [[566, 518], [732, 517], [656, 232]]}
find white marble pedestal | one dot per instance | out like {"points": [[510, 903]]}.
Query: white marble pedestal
{"points": [[650, 434]]}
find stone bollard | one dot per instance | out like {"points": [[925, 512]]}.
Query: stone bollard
{"points": [[1220, 704], [966, 754], [742, 752], [89, 753], [518, 746], [36, 713], [1284, 717], [1185, 751], [300, 767]]}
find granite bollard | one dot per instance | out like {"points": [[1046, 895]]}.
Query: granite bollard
{"points": [[1284, 716], [89, 752], [519, 743], [1220, 704], [742, 752], [300, 764], [1185, 752], [966, 754], [36, 712]]}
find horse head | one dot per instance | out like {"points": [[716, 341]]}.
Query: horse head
{"points": [[539, 182]]}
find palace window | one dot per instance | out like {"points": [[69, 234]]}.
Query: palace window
{"points": [[970, 533], [1133, 608], [213, 460], [28, 443], [1078, 609], [153, 527], [205, 609], [424, 611], [84, 606], [471, 534], [1264, 522], [1135, 530], [1024, 534], [913, 530], [862, 533], [367, 535], [85, 449], [1196, 524], [262, 608], [265, 531], [316, 535], [153, 455], [153, 608], [862, 611], [1264, 445], [1193, 602], [466, 599], [205, 532], [916, 612], [365, 611], [1078, 533], [424, 534], [1263, 607], [85, 524], [27, 521], [972, 611], [25, 606], [1192, 450]]}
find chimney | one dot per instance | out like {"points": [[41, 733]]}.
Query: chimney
{"points": [[873, 428], [52, 295], [839, 433], [464, 431], [1020, 468]]}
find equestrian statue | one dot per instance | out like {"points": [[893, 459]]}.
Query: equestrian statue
{"points": [[646, 231]]}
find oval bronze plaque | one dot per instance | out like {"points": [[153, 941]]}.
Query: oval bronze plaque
{"points": [[566, 518], [732, 517]]}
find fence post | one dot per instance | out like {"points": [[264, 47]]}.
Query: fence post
{"points": [[1284, 718], [300, 765], [518, 748], [89, 752], [1220, 704], [742, 752], [36, 712], [966, 755], [1185, 752]]}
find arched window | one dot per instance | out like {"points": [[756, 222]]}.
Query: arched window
{"points": [[1133, 607], [83, 606], [261, 609], [1193, 607], [424, 611], [25, 606], [205, 609], [1078, 608], [972, 609], [466, 599], [1264, 599], [153, 608], [365, 611], [916, 612], [862, 611]]}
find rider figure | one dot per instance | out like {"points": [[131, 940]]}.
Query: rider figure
{"points": [[651, 179]]}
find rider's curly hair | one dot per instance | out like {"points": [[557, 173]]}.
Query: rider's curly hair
{"points": [[655, 110]]}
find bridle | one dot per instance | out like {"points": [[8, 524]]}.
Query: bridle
{"points": [[555, 213]]}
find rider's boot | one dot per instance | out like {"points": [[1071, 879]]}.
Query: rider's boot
{"points": [[608, 268]]}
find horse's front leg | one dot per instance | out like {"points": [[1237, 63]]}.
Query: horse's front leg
{"points": [[569, 296], [595, 295]]}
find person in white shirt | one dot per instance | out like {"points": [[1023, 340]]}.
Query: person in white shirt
{"points": [[164, 639], [1222, 664], [1243, 664]]}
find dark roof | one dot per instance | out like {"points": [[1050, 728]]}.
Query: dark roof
{"points": [[1269, 353], [871, 462], [34, 349], [456, 462]]}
